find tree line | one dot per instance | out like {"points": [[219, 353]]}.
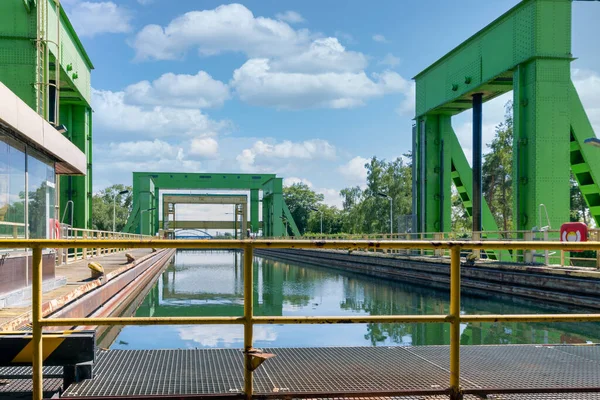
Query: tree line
{"points": [[364, 211], [367, 210]]}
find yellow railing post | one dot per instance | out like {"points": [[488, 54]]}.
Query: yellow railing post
{"points": [[248, 323], [36, 316], [455, 393]]}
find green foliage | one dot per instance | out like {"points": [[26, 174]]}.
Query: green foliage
{"points": [[364, 211], [300, 199], [497, 171], [332, 220], [102, 208]]}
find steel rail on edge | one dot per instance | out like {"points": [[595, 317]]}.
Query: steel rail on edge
{"points": [[249, 320]]}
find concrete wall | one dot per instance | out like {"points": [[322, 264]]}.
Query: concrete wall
{"points": [[573, 287]]}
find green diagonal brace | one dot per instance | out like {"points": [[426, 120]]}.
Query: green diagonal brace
{"points": [[290, 219], [585, 159], [462, 179]]}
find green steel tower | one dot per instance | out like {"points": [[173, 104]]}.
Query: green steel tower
{"points": [[526, 50], [43, 62]]}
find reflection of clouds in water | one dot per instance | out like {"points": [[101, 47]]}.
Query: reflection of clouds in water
{"points": [[224, 335]]}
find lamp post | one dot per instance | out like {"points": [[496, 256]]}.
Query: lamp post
{"points": [[385, 195], [115, 207], [320, 211], [142, 217]]}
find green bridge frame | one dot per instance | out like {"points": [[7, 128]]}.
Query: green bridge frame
{"points": [[147, 187], [527, 50]]}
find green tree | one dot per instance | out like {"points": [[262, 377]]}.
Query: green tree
{"points": [[102, 208], [579, 209], [300, 199], [497, 172], [365, 211], [332, 220]]}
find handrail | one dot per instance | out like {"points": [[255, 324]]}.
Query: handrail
{"points": [[454, 318]]}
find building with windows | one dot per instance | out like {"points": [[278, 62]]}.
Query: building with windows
{"points": [[45, 132]]}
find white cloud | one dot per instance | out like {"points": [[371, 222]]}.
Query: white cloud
{"points": [[115, 159], [145, 2], [407, 106], [287, 68], [323, 55], [588, 87], [307, 150], [116, 117], [354, 171], [204, 147], [188, 91], [256, 84], [230, 27], [390, 60], [292, 180], [379, 38], [290, 16], [91, 19]]}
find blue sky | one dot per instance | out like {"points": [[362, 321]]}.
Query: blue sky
{"points": [[305, 89]]}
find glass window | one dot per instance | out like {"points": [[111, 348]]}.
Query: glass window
{"points": [[12, 188], [42, 192]]}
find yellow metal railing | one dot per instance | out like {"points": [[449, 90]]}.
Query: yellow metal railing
{"points": [[454, 318], [76, 252]]}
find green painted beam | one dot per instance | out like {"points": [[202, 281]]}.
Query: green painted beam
{"points": [[292, 224], [463, 181], [148, 185], [532, 29], [584, 159]]}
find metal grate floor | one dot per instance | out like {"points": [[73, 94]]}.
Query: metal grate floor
{"points": [[332, 372]]}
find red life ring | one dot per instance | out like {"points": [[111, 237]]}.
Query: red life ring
{"points": [[56, 229]]}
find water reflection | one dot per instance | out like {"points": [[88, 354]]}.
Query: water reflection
{"points": [[211, 284]]}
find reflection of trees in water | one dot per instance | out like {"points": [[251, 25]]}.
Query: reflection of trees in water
{"points": [[376, 298]]}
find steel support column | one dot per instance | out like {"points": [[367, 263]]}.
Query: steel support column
{"points": [[541, 144], [477, 154], [254, 203], [434, 178]]}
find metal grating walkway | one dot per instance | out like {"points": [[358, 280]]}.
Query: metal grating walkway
{"points": [[339, 372]]}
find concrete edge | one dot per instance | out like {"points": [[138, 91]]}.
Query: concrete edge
{"points": [[51, 306]]}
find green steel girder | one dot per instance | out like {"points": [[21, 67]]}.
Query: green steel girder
{"points": [[531, 29], [147, 187], [18, 60], [585, 161], [527, 50]]}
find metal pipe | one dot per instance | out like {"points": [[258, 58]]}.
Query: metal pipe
{"points": [[266, 320], [477, 190], [442, 188], [36, 316], [414, 180], [422, 154], [248, 315], [143, 321], [455, 324], [297, 244]]}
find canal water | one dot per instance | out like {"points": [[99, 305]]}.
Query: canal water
{"points": [[210, 283]]}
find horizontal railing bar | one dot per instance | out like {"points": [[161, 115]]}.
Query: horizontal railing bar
{"points": [[142, 321], [363, 319], [531, 318], [301, 244]]}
